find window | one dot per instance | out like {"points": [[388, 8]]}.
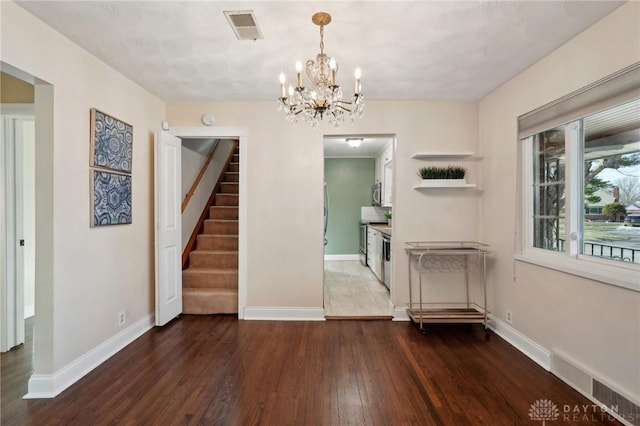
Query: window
{"points": [[548, 189], [593, 211], [580, 179]]}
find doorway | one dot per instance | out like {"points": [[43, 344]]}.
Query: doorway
{"points": [[164, 173], [36, 113], [17, 157], [353, 164]]}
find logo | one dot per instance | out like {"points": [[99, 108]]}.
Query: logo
{"points": [[543, 409]]}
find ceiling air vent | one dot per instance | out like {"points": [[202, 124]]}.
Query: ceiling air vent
{"points": [[244, 24]]}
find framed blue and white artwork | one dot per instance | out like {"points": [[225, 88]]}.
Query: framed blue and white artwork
{"points": [[110, 169], [111, 142], [111, 193]]}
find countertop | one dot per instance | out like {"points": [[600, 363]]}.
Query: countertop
{"points": [[385, 229]]}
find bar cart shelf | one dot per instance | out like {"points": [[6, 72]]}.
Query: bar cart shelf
{"points": [[446, 257]]}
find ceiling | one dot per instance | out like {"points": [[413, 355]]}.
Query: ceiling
{"points": [[186, 51], [371, 146]]}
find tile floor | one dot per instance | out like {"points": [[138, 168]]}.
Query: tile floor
{"points": [[351, 290]]}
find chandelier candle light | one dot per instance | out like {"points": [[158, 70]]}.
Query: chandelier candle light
{"points": [[324, 98]]}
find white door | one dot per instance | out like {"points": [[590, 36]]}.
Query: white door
{"points": [[17, 132], [168, 227]]}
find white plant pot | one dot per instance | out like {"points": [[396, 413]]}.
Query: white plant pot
{"points": [[426, 183]]}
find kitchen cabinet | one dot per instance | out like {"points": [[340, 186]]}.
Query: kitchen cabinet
{"points": [[384, 174], [387, 184], [374, 252]]}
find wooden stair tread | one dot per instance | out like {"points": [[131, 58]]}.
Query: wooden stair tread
{"points": [[203, 270], [217, 236], [209, 291], [214, 251]]}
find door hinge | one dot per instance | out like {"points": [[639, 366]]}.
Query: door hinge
{"points": [[21, 243]]}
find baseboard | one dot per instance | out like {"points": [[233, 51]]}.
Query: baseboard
{"points": [[341, 257], [283, 314], [29, 311], [400, 314], [544, 357], [537, 353], [50, 385]]}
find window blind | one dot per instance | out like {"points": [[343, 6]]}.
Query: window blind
{"points": [[618, 88]]}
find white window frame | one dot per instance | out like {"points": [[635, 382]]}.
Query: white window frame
{"points": [[621, 274]]}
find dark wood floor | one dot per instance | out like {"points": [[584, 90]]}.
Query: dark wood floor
{"points": [[219, 371]]}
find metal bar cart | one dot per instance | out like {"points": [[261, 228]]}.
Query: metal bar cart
{"points": [[447, 256]]}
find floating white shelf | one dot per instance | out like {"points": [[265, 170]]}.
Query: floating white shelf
{"points": [[444, 183], [443, 155]]}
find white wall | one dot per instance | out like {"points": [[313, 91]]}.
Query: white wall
{"points": [[596, 324], [3, 235], [285, 178], [191, 163], [84, 275]]}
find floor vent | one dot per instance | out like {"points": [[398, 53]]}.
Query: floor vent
{"points": [[244, 24], [568, 371], [619, 404], [580, 379]]}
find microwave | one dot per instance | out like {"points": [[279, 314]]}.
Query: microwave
{"points": [[376, 194]]}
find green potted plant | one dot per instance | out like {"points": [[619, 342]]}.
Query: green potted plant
{"points": [[434, 176], [387, 214]]}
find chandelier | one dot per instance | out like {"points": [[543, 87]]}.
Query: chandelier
{"points": [[324, 97]]}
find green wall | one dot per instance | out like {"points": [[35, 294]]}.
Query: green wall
{"points": [[349, 183]]}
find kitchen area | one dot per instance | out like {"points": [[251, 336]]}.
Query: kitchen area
{"points": [[358, 231]]}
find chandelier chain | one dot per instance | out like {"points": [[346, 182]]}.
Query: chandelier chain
{"points": [[321, 39]]}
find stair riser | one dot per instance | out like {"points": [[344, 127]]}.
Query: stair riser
{"points": [[234, 167], [216, 242], [199, 259], [221, 227], [192, 279], [229, 187], [226, 199], [231, 177], [209, 304], [228, 213], [235, 158]]}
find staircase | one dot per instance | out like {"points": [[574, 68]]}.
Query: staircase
{"points": [[210, 283]]}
